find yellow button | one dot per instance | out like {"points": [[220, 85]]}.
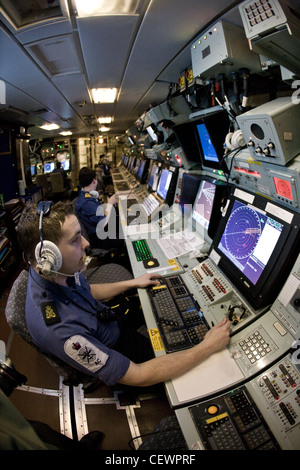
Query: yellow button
{"points": [[213, 409]]}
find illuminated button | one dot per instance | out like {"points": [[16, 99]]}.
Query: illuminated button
{"points": [[213, 409]]}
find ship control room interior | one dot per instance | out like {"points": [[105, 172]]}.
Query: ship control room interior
{"points": [[187, 114]]}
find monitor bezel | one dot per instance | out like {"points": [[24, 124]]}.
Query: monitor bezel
{"points": [[217, 125], [262, 293]]}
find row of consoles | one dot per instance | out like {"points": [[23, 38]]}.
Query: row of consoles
{"points": [[241, 261]]}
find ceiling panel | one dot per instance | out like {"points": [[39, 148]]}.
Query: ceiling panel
{"points": [[105, 43]]}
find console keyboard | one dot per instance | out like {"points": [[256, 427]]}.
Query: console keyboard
{"points": [[177, 314], [232, 422]]}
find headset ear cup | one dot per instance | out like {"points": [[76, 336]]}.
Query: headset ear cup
{"points": [[237, 140], [50, 258], [228, 141]]}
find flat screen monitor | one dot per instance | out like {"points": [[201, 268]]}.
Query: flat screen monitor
{"points": [[164, 183], [211, 197], [185, 134], [136, 166], [141, 170], [153, 177], [151, 133], [66, 164], [211, 132], [257, 242], [48, 167], [131, 163], [204, 203], [189, 189]]}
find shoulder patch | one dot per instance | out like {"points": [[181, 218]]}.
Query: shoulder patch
{"points": [[50, 313], [87, 195], [85, 353]]}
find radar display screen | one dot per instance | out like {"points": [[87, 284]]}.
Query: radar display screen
{"points": [[249, 239]]}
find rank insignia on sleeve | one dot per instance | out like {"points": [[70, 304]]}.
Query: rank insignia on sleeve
{"points": [[50, 313]]}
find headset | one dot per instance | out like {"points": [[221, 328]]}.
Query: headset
{"points": [[234, 140], [47, 254]]}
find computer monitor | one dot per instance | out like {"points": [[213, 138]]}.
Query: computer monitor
{"points": [[65, 164], [189, 188], [131, 163], [152, 133], [136, 166], [153, 177], [256, 243], [49, 167], [141, 170], [126, 160], [185, 134], [211, 131], [211, 197]]}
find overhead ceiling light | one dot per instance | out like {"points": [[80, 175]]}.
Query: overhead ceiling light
{"points": [[49, 127], [103, 7], [66, 133], [104, 120], [104, 129], [104, 95]]}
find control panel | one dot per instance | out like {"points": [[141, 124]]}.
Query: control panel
{"points": [[271, 131], [217, 296], [178, 316], [280, 184], [277, 393], [232, 422], [263, 414], [287, 305]]}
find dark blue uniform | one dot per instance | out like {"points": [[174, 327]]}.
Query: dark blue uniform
{"points": [[62, 321], [86, 207]]}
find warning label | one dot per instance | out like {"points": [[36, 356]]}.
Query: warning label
{"points": [[156, 340]]}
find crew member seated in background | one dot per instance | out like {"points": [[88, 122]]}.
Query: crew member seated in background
{"points": [[59, 169], [107, 172], [91, 213], [79, 330]]}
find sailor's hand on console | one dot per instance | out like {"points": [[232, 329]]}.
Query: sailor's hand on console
{"points": [[147, 279], [218, 336]]}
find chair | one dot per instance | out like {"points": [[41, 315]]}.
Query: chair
{"points": [[58, 190], [15, 316], [42, 180], [57, 183]]}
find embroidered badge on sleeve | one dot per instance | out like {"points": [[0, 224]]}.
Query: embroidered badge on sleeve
{"points": [[50, 313], [85, 353]]}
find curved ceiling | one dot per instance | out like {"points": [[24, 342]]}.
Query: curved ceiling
{"points": [[50, 59]]}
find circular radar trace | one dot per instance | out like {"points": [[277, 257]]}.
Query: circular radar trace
{"points": [[242, 232]]}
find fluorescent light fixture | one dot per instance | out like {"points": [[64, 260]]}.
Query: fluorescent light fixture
{"points": [[49, 127], [104, 120], [104, 7], [104, 95], [104, 129], [66, 133]]}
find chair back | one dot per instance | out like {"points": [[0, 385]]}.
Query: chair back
{"points": [[16, 319], [57, 183], [42, 180]]}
